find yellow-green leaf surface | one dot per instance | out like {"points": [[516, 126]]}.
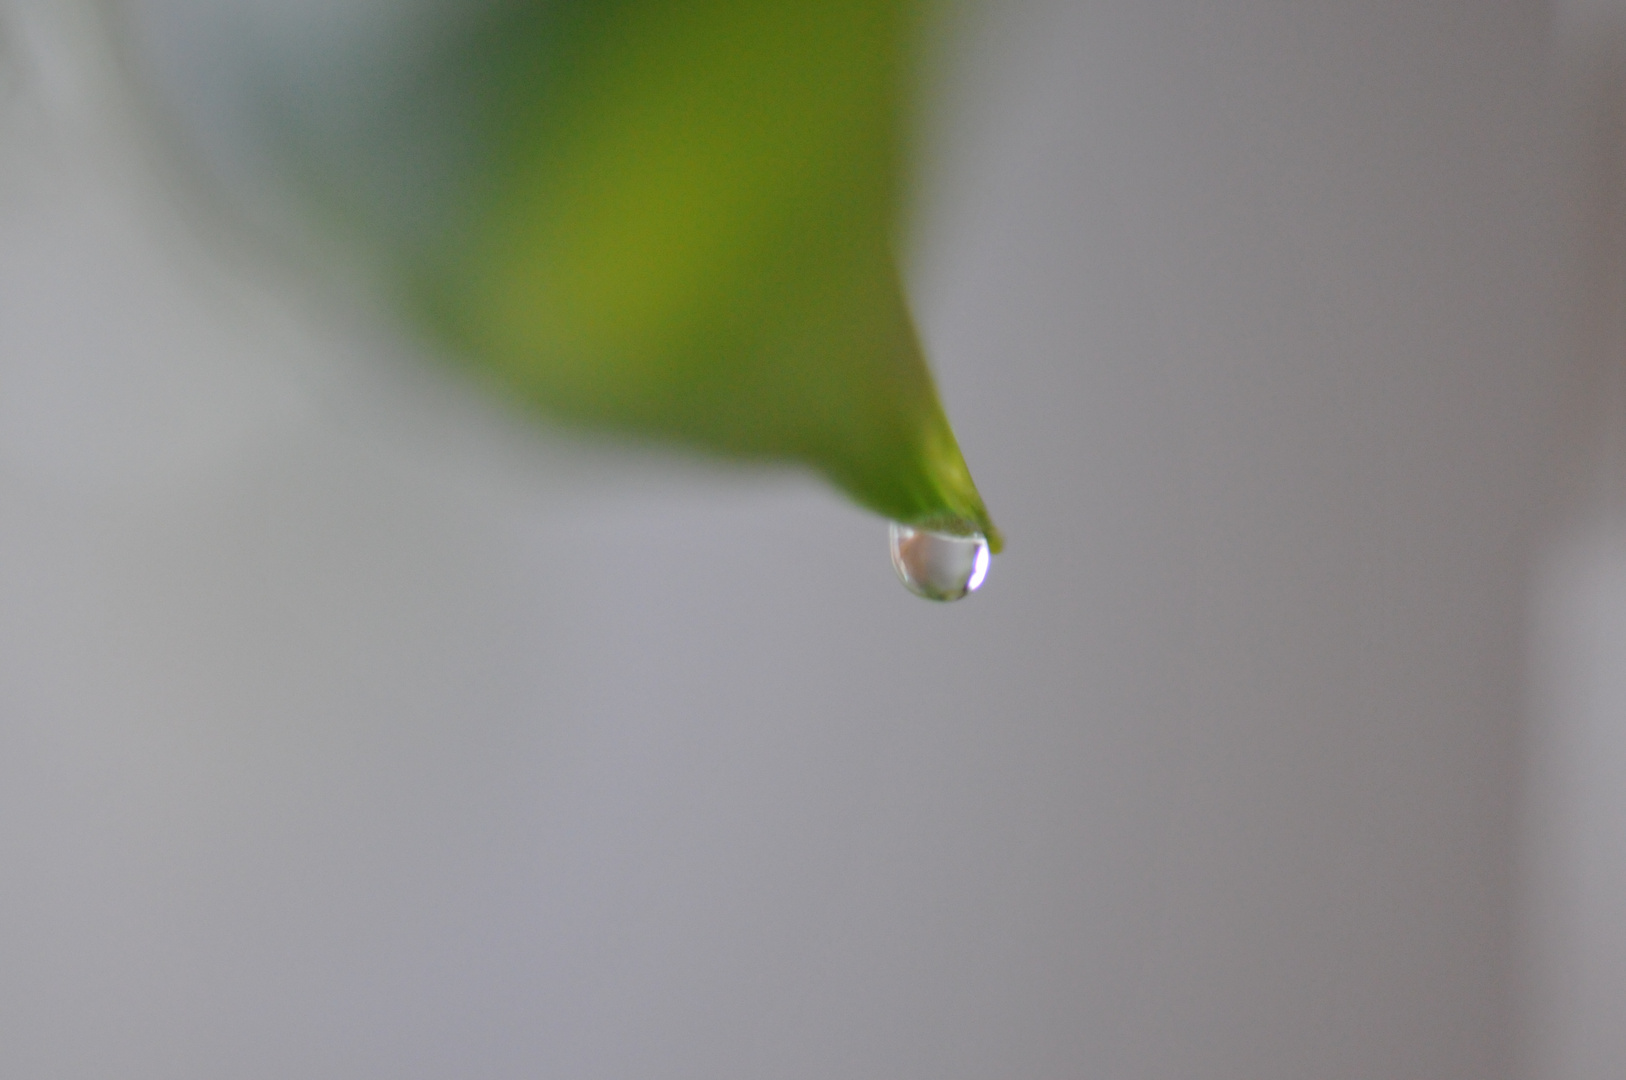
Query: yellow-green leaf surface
{"points": [[683, 226]]}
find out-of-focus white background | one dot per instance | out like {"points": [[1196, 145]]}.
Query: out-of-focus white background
{"points": [[350, 728]]}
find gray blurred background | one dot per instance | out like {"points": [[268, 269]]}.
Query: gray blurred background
{"points": [[350, 728]]}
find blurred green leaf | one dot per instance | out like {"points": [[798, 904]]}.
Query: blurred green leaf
{"points": [[682, 227]]}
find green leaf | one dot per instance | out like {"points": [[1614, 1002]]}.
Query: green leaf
{"points": [[679, 224]]}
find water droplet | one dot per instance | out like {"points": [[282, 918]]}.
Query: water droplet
{"points": [[939, 566]]}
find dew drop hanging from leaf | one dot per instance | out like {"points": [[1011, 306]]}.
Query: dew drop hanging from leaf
{"points": [[937, 565], [671, 221]]}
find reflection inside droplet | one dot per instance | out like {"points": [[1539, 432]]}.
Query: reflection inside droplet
{"points": [[939, 566]]}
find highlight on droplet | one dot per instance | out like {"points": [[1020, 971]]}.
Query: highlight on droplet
{"points": [[938, 565]]}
